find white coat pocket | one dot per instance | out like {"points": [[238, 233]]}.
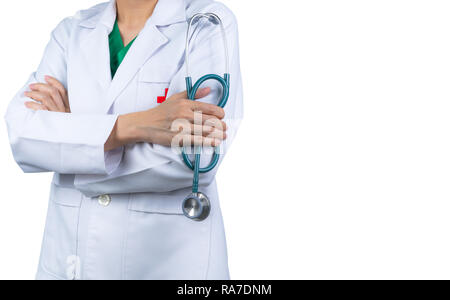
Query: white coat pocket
{"points": [[60, 238], [159, 203], [161, 242], [153, 85]]}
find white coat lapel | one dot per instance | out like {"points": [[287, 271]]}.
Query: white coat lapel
{"points": [[145, 46], [95, 46], [95, 50], [149, 41]]}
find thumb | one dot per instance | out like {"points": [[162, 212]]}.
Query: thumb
{"points": [[178, 96], [201, 93]]}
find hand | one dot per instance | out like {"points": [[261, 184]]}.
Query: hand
{"points": [[50, 96], [162, 124]]}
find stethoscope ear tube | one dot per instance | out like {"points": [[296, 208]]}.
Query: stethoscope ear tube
{"points": [[197, 206], [192, 91], [224, 82], [194, 20]]}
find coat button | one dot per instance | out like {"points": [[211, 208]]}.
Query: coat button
{"points": [[104, 200]]}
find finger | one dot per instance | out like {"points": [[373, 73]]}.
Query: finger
{"points": [[178, 96], [217, 134], [52, 92], [55, 83], [44, 98], [35, 106], [214, 122], [209, 109], [200, 130], [199, 118], [205, 141], [188, 128], [201, 93], [60, 87], [208, 131], [189, 141]]}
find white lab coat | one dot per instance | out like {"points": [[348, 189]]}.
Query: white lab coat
{"points": [[117, 215]]}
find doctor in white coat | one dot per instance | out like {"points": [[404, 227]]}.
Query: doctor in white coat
{"points": [[115, 202]]}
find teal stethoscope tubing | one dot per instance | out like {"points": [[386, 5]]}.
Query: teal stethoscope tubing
{"points": [[192, 91]]}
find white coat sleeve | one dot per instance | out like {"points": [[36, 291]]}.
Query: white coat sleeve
{"points": [[154, 168], [43, 141]]}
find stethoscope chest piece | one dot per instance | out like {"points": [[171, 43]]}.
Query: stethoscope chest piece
{"points": [[196, 207]]}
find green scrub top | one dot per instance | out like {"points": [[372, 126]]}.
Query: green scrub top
{"points": [[117, 50]]}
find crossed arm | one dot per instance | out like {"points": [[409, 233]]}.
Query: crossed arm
{"points": [[154, 126], [47, 137]]}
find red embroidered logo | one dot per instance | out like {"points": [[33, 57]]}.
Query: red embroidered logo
{"points": [[161, 99]]}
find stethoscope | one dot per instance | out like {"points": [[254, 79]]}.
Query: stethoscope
{"points": [[197, 206]]}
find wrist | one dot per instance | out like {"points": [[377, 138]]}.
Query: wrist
{"points": [[123, 133], [127, 130]]}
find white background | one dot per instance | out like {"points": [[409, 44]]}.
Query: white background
{"points": [[341, 169]]}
